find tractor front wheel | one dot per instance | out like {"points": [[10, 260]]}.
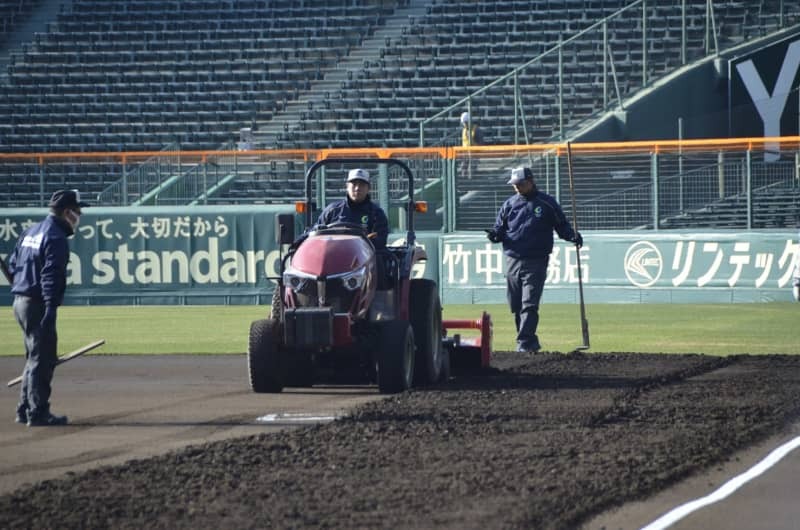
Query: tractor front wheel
{"points": [[277, 303], [394, 362], [265, 360]]}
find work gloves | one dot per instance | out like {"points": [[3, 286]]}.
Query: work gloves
{"points": [[493, 236], [48, 322]]}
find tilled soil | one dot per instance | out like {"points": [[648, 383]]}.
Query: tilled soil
{"points": [[543, 441]]}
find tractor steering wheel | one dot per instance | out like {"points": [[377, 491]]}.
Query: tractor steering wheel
{"points": [[341, 227], [344, 227], [346, 224]]}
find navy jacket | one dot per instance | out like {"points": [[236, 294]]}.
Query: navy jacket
{"points": [[525, 224], [367, 214], [39, 261]]}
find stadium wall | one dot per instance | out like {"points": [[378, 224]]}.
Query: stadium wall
{"points": [[226, 255], [697, 96], [716, 98]]}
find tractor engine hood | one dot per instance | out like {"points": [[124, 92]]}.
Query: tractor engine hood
{"points": [[337, 271], [332, 254]]}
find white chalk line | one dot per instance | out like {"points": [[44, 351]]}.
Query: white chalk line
{"points": [[676, 514], [284, 417]]}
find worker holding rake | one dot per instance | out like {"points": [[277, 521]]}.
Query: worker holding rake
{"points": [[524, 226], [38, 271]]}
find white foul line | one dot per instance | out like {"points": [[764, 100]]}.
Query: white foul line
{"points": [[676, 514], [294, 417]]}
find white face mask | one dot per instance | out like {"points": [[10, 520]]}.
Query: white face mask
{"points": [[73, 218]]}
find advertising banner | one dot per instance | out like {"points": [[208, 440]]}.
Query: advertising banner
{"points": [[228, 255], [153, 255], [658, 267]]}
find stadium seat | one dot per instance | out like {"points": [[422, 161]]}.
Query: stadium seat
{"points": [[137, 74]]}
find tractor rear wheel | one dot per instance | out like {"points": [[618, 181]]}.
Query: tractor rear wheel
{"points": [[265, 360], [394, 362], [425, 312]]}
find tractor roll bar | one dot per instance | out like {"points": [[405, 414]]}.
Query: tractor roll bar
{"points": [[389, 161]]}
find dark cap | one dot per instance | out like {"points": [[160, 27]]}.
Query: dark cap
{"points": [[67, 199]]}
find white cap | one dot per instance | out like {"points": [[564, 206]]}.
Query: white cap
{"points": [[520, 175], [465, 117], [358, 174]]}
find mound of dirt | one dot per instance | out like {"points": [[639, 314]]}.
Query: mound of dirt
{"points": [[543, 441]]}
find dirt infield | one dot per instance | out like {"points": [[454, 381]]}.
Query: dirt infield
{"points": [[543, 441]]}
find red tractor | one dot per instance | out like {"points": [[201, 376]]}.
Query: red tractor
{"points": [[333, 316]]}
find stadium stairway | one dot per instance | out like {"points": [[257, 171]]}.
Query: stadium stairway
{"points": [[319, 96], [33, 17]]}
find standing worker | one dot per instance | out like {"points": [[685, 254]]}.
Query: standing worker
{"points": [[470, 136], [524, 226], [38, 267]]}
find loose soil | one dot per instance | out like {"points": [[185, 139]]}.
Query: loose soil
{"points": [[537, 441]]}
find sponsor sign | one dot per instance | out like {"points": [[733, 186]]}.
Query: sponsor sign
{"points": [[223, 255], [647, 267]]}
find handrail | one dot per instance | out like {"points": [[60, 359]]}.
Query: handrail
{"points": [[119, 187], [661, 146], [516, 70]]}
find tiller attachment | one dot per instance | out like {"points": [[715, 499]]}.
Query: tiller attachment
{"points": [[469, 353]]}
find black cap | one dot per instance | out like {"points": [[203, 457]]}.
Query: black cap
{"points": [[67, 199]]}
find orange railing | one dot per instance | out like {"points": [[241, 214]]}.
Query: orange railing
{"points": [[640, 184]]}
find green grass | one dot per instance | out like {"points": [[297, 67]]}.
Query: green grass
{"points": [[717, 329]]}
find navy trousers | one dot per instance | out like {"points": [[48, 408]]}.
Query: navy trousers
{"points": [[40, 358], [525, 282]]}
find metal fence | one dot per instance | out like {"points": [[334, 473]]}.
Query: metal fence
{"points": [[726, 183]]}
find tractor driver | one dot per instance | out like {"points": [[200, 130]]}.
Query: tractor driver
{"points": [[358, 209]]}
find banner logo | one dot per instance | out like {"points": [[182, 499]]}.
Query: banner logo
{"points": [[643, 264]]}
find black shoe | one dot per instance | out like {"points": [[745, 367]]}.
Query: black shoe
{"points": [[529, 348], [22, 416], [47, 421]]}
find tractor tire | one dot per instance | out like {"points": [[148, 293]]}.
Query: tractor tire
{"points": [[265, 360], [275, 311], [425, 312], [394, 362]]}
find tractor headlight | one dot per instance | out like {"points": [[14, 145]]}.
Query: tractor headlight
{"points": [[353, 280], [298, 282]]}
